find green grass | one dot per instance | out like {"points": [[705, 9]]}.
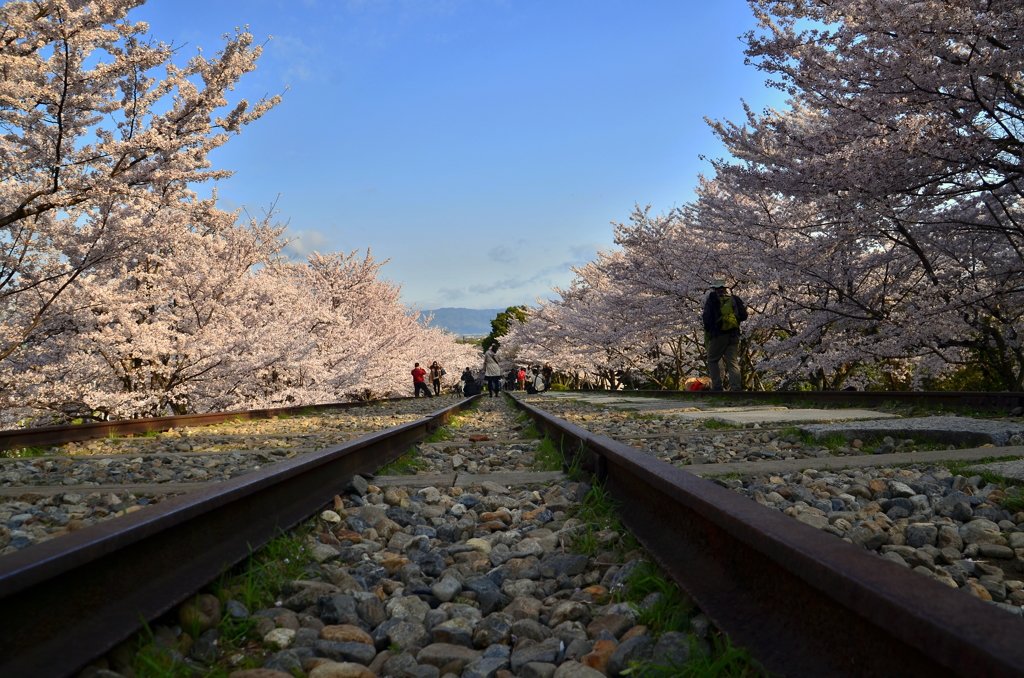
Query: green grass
{"points": [[714, 425], [256, 584], [596, 513], [406, 465], [17, 452], [725, 661], [530, 432], [282, 560], [1014, 489], [547, 457], [672, 610]]}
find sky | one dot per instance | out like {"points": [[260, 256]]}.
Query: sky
{"points": [[481, 146]]}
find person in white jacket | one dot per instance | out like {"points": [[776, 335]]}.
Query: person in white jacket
{"points": [[492, 371]]}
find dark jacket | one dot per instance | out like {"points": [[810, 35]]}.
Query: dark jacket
{"points": [[713, 311]]}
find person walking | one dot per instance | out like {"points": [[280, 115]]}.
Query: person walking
{"points": [[492, 371], [436, 372], [521, 378], [418, 382], [723, 313]]}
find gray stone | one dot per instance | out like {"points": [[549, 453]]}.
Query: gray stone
{"points": [[434, 617], [446, 589], [422, 671], [485, 667], [895, 557], [529, 628], [921, 534], [577, 649], [569, 631], [397, 664], [546, 651], [949, 537], [995, 551], [345, 651], [673, 648], [457, 631], [537, 670], [488, 595], [370, 609], [410, 608], [980, 531], [337, 609], [577, 670], [305, 637], [409, 634], [286, 661], [205, 647], [634, 649], [358, 485], [442, 654], [567, 610], [568, 564], [494, 629]]}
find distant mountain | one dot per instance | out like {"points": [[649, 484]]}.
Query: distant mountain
{"points": [[464, 321]]}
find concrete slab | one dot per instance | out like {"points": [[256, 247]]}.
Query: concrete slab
{"points": [[777, 466], [511, 478], [138, 490], [744, 416], [1007, 469], [949, 430], [440, 480]]}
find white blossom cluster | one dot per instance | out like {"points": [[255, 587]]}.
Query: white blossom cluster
{"points": [[875, 227], [122, 291]]}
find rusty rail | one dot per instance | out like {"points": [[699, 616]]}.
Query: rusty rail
{"points": [[58, 435], [980, 400], [67, 601], [803, 602]]}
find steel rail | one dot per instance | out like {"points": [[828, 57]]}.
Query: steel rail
{"points": [[981, 400], [803, 602], [68, 601], [58, 435]]}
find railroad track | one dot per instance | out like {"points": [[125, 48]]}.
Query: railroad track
{"points": [[952, 400], [743, 564]]}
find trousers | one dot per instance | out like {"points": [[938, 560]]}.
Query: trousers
{"points": [[725, 346]]}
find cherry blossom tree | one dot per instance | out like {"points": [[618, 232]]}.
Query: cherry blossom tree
{"points": [[102, 138]]}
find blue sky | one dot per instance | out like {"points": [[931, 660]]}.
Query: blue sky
{"points": [[482, 146]]}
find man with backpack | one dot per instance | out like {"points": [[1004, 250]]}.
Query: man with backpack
{"points": [[723, 313]]}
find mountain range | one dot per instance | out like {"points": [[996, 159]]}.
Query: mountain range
{"points": [[464, 321]]}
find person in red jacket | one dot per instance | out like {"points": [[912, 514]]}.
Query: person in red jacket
{"points": [[418, 383]]}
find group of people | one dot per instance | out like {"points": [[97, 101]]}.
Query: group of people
{"points": [[419, 379], [535, 379], [723, 312]]}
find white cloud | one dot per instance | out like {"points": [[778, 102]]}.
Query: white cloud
{"points": [[304, 243]]}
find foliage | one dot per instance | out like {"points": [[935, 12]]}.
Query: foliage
{"points": [[123, 292], [547, 457], [872, 227], [596, 513], [500, 325]]}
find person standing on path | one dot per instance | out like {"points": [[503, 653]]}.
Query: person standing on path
{"points": [[723, 313], [546, 372], [521, 378], [418, 383], [436, 372], [492, 370]]}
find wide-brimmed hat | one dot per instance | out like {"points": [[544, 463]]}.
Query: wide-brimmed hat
{"points": [[718, 282]]}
